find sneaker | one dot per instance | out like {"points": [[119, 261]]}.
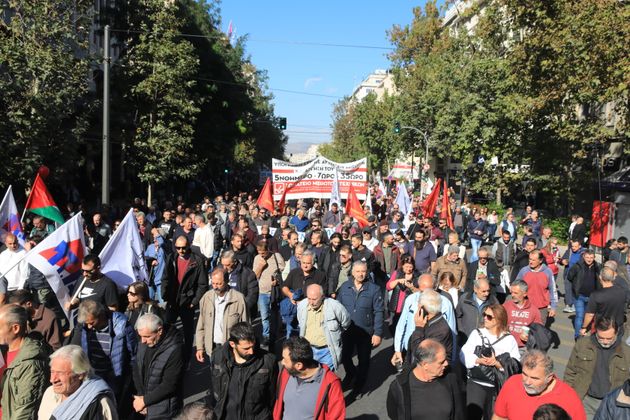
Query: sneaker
{"points": [[569, 309]]}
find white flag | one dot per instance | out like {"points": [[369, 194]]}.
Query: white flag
{"points": [[368, 199], [403, 200], [59, 257], [122, 258], [10, 218], [335, 197]]}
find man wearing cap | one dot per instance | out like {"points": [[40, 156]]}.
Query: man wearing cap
{"points": [[372, 224], [369, 241]]}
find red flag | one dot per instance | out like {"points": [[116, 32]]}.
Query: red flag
{"points": [[446, 207], [600, 223], [354, 209], [41, 202], [430, 203], [265, 199], [282, 201]]}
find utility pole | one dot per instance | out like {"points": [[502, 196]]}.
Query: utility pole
{"points": [[105, 169]]}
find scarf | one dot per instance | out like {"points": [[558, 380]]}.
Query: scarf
{"points": [[77, 404]]}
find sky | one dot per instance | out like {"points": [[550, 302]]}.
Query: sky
{"points": [[276, 31]]}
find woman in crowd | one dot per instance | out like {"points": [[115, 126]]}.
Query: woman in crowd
{"points": [[139, 302], [268, 267], [446, 283], [488, 352], [401, 284], [552, 255]]}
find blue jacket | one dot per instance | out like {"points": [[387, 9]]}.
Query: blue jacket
{"points": [[474, 225], [365, 307], [123, 344]]}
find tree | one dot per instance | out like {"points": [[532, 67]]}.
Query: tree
{"points": [[44, 69]]}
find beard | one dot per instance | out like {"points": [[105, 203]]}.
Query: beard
{"points": [[293, 372], [419, 244]]}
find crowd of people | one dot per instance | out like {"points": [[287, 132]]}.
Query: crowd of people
{"points": [[278, 303]]}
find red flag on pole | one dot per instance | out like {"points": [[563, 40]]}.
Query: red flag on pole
{"points": [[354, 209], [41, 202], [265, 199], [282, 202], [446, 207], [430, 203]]}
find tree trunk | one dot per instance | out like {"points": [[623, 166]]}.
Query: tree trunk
{"points": [[149, 193]]}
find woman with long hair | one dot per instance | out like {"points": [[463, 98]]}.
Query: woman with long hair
{"points": [[552, 255], [481, 354], [139, 302], [401, 284]]}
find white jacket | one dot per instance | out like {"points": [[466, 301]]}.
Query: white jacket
{"points": [[204, 239]]}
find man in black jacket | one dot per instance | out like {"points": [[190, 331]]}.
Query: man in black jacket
{"points": [[159, 369], [436, 394], [484, 265], [522, 258], [243, 377], [430, 324], [183, 284], [241, 279]]}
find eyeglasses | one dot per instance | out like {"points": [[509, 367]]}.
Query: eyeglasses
{"points": [[129, 292], [180, 248], [489, 317]]}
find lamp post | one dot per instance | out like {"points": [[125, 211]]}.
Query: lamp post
{"points": [[425, 136]]}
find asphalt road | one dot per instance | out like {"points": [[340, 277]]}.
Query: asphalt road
{"points": [[372, 403]]}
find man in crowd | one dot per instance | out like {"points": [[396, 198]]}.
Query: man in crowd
{"points": [[306, 388], [159, 368], [26, 374], [509, 225], [243, 253], [40, 229], [322, 256], [427, 391], [167, 224], [608, 301], [523, 393], [361, 253], [620, 256], [598, 364], [476, 229], [520, 313], [13, 266], [203, 239], [301, 277], [422, 252], [332, 217], [322, 322], [109, 343], [430, 324], [369, 241], [363, 300], [43, 322], [97, 286], [99, 234], [485, 266], [452, 263], [241, 279], [584, 279], [72, 376], [571, 256], [340, 270], [220, 309], [243, 377], [541, 285], [521, 259], [183, 284], [504, 251], [469, 311], [292, 240], [386, 258]]}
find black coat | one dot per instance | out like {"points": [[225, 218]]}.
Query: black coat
{"points": [[247, 285], [194, 284], [159, 379], [494, 275], [469, 316], [436, 329], [257, 384]]}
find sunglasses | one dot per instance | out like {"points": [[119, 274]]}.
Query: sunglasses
{"points": [[489, 317], [129, 292], [180, 248]]}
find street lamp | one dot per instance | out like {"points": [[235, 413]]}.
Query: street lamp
{"points": [[425, 135]]}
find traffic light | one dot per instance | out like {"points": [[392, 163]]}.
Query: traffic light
{"points": [[396, 127], [283, 123], [226, 170]]}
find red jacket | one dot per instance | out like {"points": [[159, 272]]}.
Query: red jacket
{"points": [[550, 260], [330, 403]]}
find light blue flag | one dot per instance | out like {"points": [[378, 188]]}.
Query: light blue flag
{"points": [[403, 200]]}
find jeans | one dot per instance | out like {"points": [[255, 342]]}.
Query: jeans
{"points": [[569, 299], [580, 309], [323, 356], [492, 229], [155, 293], [264, 301], [475, 244]]}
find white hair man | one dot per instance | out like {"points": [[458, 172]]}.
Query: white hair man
{"points": [[75, 392], [13, 273]]}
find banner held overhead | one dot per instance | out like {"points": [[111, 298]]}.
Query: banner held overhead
{"points": [[314, 179]]}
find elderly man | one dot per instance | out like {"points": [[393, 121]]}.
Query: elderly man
{"points": [[322, 322], [219, 310], [159, 369], [109, 343], [26, 373], [13, 266], [486, 266], [608, 301], [363, 300], [427, 391], [99, 234], [430, 324], [470, 308], [76, 393], [520, 313], [451, 262]]}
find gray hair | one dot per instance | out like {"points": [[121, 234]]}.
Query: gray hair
{"points": [[521, 284], [534, 358], [479, 280], [152, 322], [358, 264], [79, 361], [302, 246], [16, 314], [316, 286], [196, 411], [284, 219], [199, 218], [91, 307], [228, 253], [612, 264], [607, 274], [427, 351], [308, 253], [432, 301]]}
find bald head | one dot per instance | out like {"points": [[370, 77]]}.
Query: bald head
{"points": [[425, 282], [315, 295]]}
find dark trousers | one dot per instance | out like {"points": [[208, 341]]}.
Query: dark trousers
{"points": [[356, 338], [479, 401], [187, 316]]}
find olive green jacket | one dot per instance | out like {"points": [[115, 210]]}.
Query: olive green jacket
{"points": [[25, 381], [579, 371]]}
